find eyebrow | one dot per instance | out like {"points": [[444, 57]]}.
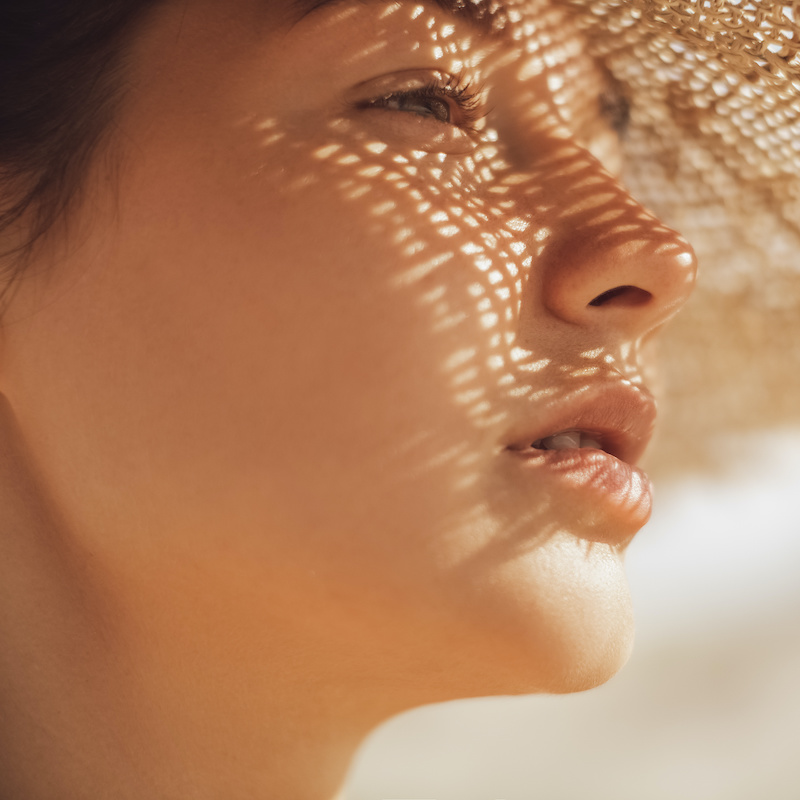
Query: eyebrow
{"points": [[476, 13]]}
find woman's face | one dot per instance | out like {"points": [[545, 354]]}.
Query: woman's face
{"points": [[331, 271]]}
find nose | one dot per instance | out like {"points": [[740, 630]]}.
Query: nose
{"points": [[605, 261]]}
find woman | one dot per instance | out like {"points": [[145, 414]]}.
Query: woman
{"points": [[323, 381]]}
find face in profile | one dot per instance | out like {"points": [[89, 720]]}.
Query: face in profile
{"points": [[341, 351]]}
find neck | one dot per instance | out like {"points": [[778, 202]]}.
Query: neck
{"points": [[121, 683], [135, 712]]}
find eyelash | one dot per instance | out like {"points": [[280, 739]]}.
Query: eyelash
{"points": [[462, 92]]}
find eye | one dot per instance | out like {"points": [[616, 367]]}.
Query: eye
{"points": [[445, 99], [421, 102]]}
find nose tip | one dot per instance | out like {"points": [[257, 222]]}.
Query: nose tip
{"points": [[635, 279], [609, 262]]}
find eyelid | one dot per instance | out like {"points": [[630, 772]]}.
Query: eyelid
{"points": [[396, 82], [461, 92]]}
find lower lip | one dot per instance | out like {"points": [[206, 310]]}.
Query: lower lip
{"points": [[604, 499]]}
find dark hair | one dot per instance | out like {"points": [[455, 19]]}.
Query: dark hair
{"points": [[60, 65]]}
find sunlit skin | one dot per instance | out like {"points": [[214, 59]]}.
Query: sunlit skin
{"points": [[259, 394]]}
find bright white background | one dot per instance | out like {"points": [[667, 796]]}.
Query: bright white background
{"points": [[708, 708]]}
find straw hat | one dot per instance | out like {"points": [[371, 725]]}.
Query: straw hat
{"points": [[714, 148]]}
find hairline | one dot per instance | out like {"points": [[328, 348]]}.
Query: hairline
{"points": [[476, 13]]}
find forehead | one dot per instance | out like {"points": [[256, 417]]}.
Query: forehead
{"points": [[477, 13], [485, 16]]}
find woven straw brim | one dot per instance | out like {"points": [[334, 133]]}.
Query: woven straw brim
{"points": [[714, 149]]}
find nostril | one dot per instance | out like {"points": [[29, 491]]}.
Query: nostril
{"points": [[622, 296]]}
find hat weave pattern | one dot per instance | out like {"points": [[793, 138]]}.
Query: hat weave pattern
{"points": [[714, 149]]}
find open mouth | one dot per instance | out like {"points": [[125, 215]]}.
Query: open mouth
{"points": [[569, 440], [613, 420]]}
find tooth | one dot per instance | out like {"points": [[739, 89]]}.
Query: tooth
{"points": [[588, 441], [562, 441]]}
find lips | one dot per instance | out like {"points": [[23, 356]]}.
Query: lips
{"points": [[616, 418], [583, 457]]}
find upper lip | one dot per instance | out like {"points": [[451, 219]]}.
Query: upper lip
{"points": [[618, 413]]}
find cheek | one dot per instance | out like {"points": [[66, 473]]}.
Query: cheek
{"points": [[285, 362]]}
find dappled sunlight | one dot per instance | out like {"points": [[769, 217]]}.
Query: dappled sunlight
{"points": [[330, 357], [511, 244]]}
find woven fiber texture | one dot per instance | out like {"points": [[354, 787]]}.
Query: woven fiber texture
{"points": [[714, 149]]}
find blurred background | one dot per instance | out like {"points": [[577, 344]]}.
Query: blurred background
{"points": [[708, 708]]}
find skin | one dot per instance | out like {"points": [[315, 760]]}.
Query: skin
{"points": [[257, 394]]}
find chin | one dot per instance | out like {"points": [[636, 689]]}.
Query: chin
{"points": [[589, 650], [574, 660], [593, 666], [564, 667], [574, 637]]}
